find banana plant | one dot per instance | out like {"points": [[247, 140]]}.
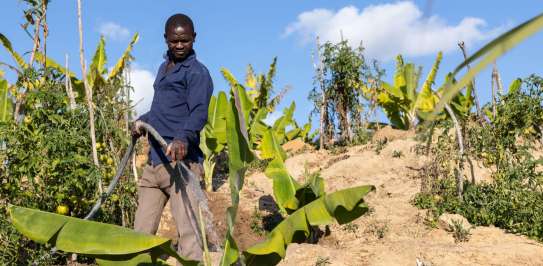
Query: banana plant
{"points": [[97, 74], [109, 244], [401, 101], [487, 55], [213, 136], [6, 105], [342, 206], [259, 87]]}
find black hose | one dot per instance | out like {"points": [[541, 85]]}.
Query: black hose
{"points": [[124, 162]]}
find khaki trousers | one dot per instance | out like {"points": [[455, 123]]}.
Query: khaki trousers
{"points": [[157, 185]]}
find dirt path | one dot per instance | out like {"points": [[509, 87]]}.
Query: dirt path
{"points": [[393, 233]]}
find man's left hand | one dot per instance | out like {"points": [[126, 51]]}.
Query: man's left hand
{"points": [[177, 150]]}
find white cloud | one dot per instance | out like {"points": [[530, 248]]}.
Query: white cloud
{"points": [[142, 80], [114, 31], [386, 30]]}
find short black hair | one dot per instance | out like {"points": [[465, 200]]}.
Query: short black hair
{"points": [[178, 20]]}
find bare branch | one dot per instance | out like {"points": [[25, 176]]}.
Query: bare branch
{"points": [[88, 93]]}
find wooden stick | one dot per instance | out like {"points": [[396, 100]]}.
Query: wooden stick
{"points": [[476, 99], [69, 89], [88, 93]]}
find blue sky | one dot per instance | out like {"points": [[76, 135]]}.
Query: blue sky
{"points": [[234, 33]]}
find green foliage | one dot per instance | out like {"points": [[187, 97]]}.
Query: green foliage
{"points": [[513, 200], [6, 105], [46, 157], [121, 246], [401, 101], [460, 234], [488, 54], [342, 206], [239, 156], [342, 75]]}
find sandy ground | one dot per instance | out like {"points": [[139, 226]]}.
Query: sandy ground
{"points": [[392, 233]]}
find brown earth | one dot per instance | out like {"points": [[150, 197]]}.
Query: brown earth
{"points": [[392, 233]]}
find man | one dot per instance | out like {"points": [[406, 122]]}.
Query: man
{"points": [[182, 91]]}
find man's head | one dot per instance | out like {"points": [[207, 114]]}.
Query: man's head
{"points": [[179, 35]]}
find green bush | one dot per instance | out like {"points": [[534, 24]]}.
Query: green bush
{"points": [[47, 164], [514, 200]]}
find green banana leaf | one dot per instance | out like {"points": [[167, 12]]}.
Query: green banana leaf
{"points": [[240, 155], [245, 102], [270, 148], [217, 116], [515, 85], [250, 77], [281, 124], [488, 54], [16, 57], [412, 76], [6, 106], [111, 244], [98, 65], [257, 128], [124, 59], [343, 206], [284, 186], [229, 77], [293, 133], [426, 99]]}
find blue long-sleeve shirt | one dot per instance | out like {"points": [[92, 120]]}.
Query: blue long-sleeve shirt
{"points": [[179, 107]]}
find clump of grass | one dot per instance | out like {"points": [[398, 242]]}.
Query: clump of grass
{"points": [[460, 233], [256, 223], [397, 154], [378, 228], [379, 146], [322, 261], [350, 227]]}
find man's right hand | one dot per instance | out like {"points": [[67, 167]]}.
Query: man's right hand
{"points": [[135, 130]]}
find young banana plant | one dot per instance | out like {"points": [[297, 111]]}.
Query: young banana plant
{"points": [[401, 101]]}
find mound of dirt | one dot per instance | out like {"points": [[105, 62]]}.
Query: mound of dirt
{"points": [[389, 134], [392, 233]]}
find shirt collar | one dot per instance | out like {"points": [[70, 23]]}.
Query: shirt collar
{"points": [[185, 62]]}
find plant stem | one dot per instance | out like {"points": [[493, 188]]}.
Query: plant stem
{"points": [[88, 94], [476, 99], [323, 108], [69, 89], [459, 178]]}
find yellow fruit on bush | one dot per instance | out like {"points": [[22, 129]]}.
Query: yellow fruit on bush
{"points": [[114, 197], [27, 120], [109, 161], [62, 209]]}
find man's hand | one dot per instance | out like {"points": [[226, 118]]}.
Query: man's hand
{"points": [[135, 129], [177, 150]]}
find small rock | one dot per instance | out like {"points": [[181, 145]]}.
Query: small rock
{"points": [[446, 221]]}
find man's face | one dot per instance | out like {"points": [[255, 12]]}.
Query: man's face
{"points": [[180, 40]]}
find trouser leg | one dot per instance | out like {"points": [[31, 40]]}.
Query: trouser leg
{"points": [[185, 215], [151, 202]]}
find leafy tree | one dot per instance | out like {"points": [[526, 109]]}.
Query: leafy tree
{"points": [[337, 97]]}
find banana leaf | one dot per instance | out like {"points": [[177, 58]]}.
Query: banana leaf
{"points": [[342, 206], [110, 244], [16, 56], [229, 77], [6, 106], [270, 148], [240, 155], [124, 59], [515, 85], [98, 65], [488, 54]]}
